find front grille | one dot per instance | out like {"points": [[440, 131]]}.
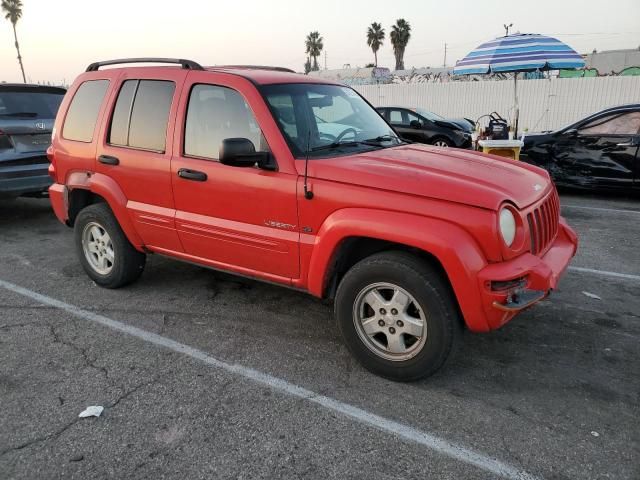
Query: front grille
{"points": [[543, 223]]}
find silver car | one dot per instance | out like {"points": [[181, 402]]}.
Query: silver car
{"points": [[27, 113]]}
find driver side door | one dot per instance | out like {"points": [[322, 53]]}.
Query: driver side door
{"points": [[242, 219]]}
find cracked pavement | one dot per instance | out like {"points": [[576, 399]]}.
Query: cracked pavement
{"points": [[530, 394]]}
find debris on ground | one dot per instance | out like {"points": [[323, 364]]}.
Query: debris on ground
{"points": [[92, 411], [592, 295], [595, 434]]}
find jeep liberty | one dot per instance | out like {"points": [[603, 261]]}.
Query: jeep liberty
{"points": [[299, 181]]}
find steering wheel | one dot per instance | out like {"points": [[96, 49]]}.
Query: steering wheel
{"points": [[328, 136], [345, 132]]}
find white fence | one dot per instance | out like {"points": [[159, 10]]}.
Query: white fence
{"points": [[544, 104]]}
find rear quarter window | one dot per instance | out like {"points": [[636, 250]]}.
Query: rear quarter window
{"points": [[82, 115]]}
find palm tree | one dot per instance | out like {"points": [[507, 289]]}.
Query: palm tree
{"points": [[375, 38], [314, 47], [400, 35], [13, 11]]}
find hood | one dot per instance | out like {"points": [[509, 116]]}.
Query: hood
{"points": [[464, 123], [460, 176]]}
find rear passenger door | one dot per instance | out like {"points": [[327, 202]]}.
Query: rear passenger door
{"points": [[136, 152]]}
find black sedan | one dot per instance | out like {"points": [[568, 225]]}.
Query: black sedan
{"points": [[599, 152], [423, 126]]}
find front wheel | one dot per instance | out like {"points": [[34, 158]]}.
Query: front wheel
{"points": [[104, 251], [397, 316], [442, 142]]}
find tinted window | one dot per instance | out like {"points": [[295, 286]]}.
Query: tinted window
{"points": [[83, 111], [411, 117], [149, 115], [616, 124], [119, 131], [214, 114], [26, 104]]}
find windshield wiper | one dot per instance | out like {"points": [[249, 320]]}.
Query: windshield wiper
{"points": [[381, 138], [333, 145], [19, 114]]}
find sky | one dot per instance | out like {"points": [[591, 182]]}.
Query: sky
{"points": [[58, 39]]}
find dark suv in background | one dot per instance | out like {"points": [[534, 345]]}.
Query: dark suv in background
{"points": [[27, 113], [423, 126]]}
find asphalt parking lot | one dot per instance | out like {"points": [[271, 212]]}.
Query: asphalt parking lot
{"points": [[224, 377]]}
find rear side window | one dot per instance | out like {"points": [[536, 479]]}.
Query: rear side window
{"points": [[141, 114], [83, 111]]}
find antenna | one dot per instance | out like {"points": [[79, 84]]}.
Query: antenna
{"points": [[506, 28], [308, 194], [444, 64]]}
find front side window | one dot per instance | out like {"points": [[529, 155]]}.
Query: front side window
{"points": [[141, 114], [412, 117], [214, 114], [326, 120], [82, 115], [616, 124]]}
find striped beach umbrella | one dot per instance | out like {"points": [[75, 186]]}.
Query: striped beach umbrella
{"points": [[520, 52]]}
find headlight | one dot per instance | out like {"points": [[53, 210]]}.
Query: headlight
{"points": [[507, 226]]}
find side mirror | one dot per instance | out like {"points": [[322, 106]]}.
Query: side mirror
{"points": [[415, 124], [240, 152], [572, 132]]}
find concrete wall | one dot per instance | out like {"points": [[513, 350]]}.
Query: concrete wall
{"points": [[544, 104]]}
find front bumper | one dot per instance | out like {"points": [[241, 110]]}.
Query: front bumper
{"points": [[536, 277]]}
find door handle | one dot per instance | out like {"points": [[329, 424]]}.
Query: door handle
{"points": [[627, 144], [192, 175], [109, 160]]}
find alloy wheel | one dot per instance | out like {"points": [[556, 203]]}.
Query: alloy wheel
{"points": [[97, 248], [389, 321]]}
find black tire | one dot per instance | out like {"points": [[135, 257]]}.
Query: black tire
{"points": [[426, 285], [128, 263], [445, 140]]}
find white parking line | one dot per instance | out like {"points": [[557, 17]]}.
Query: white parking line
{"points": [[601, 209], [605, 273], [405, 432]]}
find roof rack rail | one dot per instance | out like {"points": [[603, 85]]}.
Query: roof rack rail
{"points": [[258, 67], [188, 64]]}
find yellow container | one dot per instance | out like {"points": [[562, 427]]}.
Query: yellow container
{"points": [[502, 148]]}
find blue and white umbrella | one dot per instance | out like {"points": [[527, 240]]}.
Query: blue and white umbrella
{"points": [[520, 52]]}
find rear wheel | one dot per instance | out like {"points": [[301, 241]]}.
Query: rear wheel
{"points": [[397, 316], [104, 251]]}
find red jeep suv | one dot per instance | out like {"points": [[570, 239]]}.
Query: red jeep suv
{"points": [[299, 181]]}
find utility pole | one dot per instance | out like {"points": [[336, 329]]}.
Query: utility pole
{"points": [[506, 28], [444, 63]]}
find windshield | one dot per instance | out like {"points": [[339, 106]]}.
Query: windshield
{"points": [[327, 120], [429, 115], [29, 104]]}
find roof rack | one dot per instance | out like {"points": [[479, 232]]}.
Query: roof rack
{"points": [[258, 67], [188, 64]]}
